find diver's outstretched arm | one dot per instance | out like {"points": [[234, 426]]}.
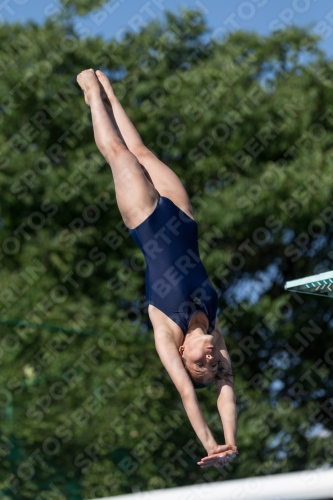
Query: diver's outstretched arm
{"points": [[224, 452], [226, 403], [169, 355], [226, 399]]}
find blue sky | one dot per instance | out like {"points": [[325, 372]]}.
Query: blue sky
{"points": [[262, 16]]}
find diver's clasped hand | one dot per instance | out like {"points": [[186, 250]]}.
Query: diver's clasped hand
{"points": [[220, 456]]}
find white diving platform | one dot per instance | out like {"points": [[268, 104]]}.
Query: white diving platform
{"points": [[316, 484], [319, 284]]}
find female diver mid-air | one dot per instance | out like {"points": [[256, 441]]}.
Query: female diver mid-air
{"points": [[156, 209]]}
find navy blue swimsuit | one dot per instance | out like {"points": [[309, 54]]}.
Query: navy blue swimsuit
{"points": [[176, 280]]}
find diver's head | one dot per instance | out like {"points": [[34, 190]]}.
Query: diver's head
{"points": [[200, 357]]}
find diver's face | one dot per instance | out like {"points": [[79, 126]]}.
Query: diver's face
{"points": [[201, 355]]}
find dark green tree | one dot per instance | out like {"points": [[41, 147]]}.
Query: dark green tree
{"points": [[87, 409]]}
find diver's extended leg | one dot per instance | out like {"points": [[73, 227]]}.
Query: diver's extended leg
{"points": [[166, 182], [136, 196]]}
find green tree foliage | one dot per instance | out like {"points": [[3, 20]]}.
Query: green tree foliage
{"points": [[86, 407], [81, 7]]}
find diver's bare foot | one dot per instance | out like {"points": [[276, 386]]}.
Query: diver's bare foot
{"points": [[107, 87], [89, 84]]}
